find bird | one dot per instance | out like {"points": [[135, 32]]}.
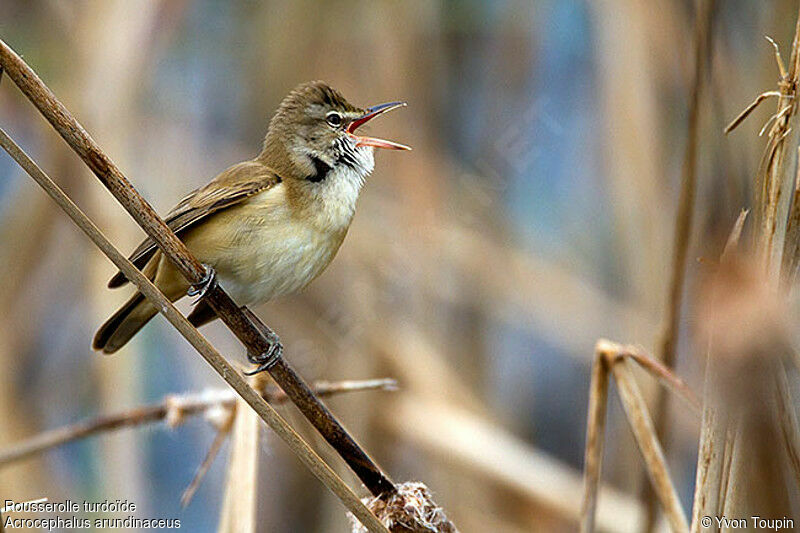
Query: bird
{"points": [[270, 225]]}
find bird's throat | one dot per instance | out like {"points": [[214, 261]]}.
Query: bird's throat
{"points": [[321, 170]]}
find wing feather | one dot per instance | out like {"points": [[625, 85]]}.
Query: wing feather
{"points": [[234, 185]]}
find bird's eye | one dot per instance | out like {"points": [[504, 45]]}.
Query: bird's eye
{"points": [[334, 119]]}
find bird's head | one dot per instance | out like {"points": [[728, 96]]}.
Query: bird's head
{"points": [[313, 134]]}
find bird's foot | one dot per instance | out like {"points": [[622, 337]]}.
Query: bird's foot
{"points": [[200, 289], [266, 359]]}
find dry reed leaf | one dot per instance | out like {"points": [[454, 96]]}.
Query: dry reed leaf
{"points": [[749, 109], [732, 244], [614, 359]]}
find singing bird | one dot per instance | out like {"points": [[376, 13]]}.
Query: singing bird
{"points": [[271, 225]]}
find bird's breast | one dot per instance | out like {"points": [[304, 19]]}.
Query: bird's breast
{"points": [[261, 250]]}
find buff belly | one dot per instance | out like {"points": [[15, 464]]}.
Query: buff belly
{"points": [[260, 254]]}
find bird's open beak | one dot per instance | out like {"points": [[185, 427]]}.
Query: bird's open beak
{"points": [[371, 113]]}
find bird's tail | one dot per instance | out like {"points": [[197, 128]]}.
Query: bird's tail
{"points": [[123, 324]]}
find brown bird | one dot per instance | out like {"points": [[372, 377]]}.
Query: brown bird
{"points": [[271, 225]]}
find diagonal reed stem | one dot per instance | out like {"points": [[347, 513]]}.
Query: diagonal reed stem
{"points": [[267, 413], [255, 335], [645, 434]]}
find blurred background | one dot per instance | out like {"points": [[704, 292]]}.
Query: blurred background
{"points": [[534, 216]]}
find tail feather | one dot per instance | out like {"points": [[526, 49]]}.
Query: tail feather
{"points": [[123, 324]]}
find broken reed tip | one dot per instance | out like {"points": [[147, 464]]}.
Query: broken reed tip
{"points": [[410, 509]]}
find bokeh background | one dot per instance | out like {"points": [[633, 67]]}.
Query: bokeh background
{"points": [[534, 216]]}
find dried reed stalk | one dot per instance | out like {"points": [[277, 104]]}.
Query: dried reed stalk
{"points": [[595, 438], [614, 358], [479, 445], [258, 338], [301, 448], [682, 233], [219, 439], [747, 408], [241, 492], [747, 462], [775, 176], [174, 409], [644, 431]]}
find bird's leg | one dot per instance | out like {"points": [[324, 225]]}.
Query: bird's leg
{"points": [[274, 351], [268, 358], [200, 289]]}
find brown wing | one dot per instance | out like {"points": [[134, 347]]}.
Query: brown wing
{"points": [[229, 188]]}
